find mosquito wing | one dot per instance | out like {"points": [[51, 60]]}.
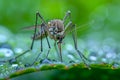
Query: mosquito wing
{"points": [[79, 28], [41, 33], [31, 27]]}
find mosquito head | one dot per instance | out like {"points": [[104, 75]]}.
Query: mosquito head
{"points": [[56, 29], [58, 24]]}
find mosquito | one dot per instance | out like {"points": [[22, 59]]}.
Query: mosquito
{"points": [[56, 30]]}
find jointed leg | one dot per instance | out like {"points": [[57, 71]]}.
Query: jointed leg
{"points": [[41, 47], [67, 15], [36, 24], [41, 32], [43, 25], [76, 48], [35, 30], [59, 47], [13, 59], [71, 26], [48, 44], [56, 48]]}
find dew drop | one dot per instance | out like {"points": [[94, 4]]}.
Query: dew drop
{"points": [[6, 52], [45, 61], [93, 58]]}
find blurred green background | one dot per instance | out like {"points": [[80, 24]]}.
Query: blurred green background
{"points": [[99, 21], [95, 19], [15, 14], [99, 16]]}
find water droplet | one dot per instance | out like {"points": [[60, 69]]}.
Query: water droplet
{"points": [[116, 65], [6, 52], [106, 48], [14, 65], [69, 47], [101, 52], [104, 59], [71, 57], [45, 61], [3, 38], [93, 58], [18, 50], [109, 55]]}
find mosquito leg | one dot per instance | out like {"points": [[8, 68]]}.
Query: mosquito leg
{"points": [[68, 14], [76, 48], [49, 47], [12, 60], [43, 21], [41, 47], [36, 58], [37, 15], [41, 32], [56, 47], [70, 24], [35, 30], [45, 29], [60, 52], [39, 53], [32, 39], [48, 44]]}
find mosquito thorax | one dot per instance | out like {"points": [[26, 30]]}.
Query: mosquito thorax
{"points": [[56, 28]]}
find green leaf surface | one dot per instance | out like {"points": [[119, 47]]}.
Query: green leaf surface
{"points": [[66, 68]]}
